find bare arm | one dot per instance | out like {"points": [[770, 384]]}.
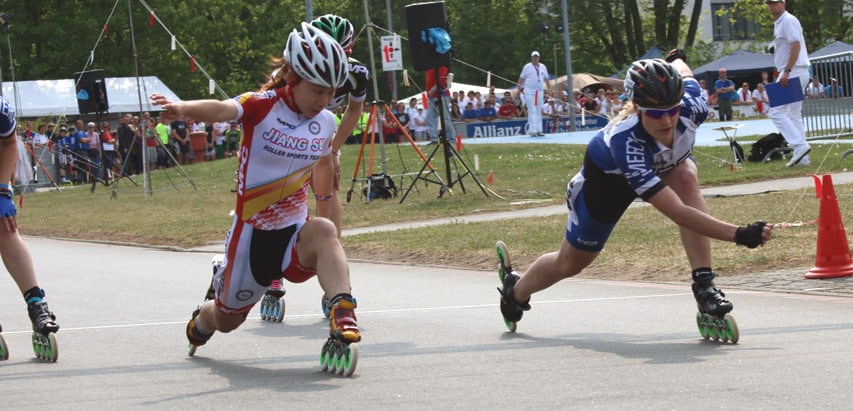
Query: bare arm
{"points": [[668, 203], [348, 123], [204, 110], [321, 181]]}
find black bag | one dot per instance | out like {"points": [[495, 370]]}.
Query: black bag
{"points": [[765, 145], [381, 186]]}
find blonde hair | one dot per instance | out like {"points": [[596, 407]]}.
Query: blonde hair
{"points": [[628, 109]]}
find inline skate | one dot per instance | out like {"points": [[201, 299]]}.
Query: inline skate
{"points": [[511, 310], [44, 330], [713, 318], [272, 305], [4, 349], [327, 309], [194, 335], [340, 352]]}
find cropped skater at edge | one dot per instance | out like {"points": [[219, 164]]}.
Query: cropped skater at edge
{"points": [[645, 152], [287, 138], [16, 255]]}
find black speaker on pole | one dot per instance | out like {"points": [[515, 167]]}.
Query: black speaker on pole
{"points": [[91, 89], [419, 18]]}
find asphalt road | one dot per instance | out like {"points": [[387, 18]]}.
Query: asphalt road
{"points": [[433, 339]]}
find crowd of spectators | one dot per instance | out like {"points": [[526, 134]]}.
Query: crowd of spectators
{"points": [[78, 152]]}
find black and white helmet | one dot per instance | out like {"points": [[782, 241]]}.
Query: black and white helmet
{"points": [[654, 83], [316, 57]]}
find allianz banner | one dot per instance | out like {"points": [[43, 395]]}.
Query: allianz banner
{"points": [[503, 128]]}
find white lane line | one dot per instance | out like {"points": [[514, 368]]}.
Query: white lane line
{"points": [[362, 312]]}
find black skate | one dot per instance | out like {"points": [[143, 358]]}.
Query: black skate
{"points": [[339, 354], [713, 318], [195, 337], [272, 305], [510, 309], [4, 349], [44, 331]]}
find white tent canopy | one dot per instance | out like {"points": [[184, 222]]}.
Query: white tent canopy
{"points": [[43, 98], [460, 87]]}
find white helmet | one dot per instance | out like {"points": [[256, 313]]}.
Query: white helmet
{"points": [[316, 57]]}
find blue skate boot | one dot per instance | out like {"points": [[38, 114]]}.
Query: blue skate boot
{"points": [[511, 310], [713, 318]]}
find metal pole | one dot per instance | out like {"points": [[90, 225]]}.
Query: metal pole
{"points": [[146, 178], [392, 73], [309, 10], [375, 85], [569, 81]]}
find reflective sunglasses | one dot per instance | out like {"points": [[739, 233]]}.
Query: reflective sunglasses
{"points": [[657, 113]]}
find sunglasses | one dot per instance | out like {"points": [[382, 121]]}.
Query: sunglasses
{"points": [[656, 113]]}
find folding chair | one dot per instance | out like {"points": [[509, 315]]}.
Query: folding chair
{"points": [[735, 155]]}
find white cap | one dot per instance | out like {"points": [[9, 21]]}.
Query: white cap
{"points": [[535, 53], [91, 124]]}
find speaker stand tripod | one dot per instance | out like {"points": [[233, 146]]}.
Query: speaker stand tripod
{"points": [[371, 122], [450, 153]]}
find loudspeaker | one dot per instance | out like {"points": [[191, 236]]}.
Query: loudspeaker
{"points": [[91, 91], [419, 17]]}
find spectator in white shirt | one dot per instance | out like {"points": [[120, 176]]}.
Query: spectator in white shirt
{"points": [[744, 95]]}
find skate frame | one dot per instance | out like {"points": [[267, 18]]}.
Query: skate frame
{"points": [[371, 122], [449, 151]]}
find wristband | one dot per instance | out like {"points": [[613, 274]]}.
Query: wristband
{"points": [[322, 198], [787, 70], [6, 190]]}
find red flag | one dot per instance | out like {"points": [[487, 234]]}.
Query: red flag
{"points": [[491, 177], [151, 19], [192, 64], [459, 142], [106, 30]]}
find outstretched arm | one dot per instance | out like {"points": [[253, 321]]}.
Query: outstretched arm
{"points": [[204, 110]]}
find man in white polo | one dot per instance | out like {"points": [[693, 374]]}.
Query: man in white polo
{"points": [[532, 84]]}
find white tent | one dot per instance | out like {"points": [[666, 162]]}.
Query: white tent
{"points": [[42, 98], [460, 87]]}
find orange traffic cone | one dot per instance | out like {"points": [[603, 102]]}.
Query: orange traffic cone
{"points": [[833, 252], [491, 177], [459, 142]]}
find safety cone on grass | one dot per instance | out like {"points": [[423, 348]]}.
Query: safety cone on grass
{"points": [[833, 252]]}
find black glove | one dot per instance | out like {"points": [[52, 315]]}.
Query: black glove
{"points": [[752, 235], [675, 54]]}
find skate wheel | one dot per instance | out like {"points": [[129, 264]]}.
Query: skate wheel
{"points": [[503, 256], [731, 330], [703, 326], [45, 346], [326, 356], [279, 311], [191, 350], [264, 309], [348, 360], [4, 349], [511, 325]]}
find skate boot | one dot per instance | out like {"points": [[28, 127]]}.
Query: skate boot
{"points": [[512, 311], [44, 325], [713, 318], [194, 335], [340, 353], [272, 305], [4, 349], [327, 308]]}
